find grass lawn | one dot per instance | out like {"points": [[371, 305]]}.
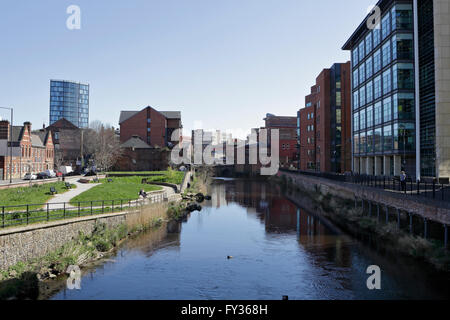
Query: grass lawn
{"points": [[37, 194], [171, 176], [122, 188]]}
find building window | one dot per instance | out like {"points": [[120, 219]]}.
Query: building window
{"points": [[356, 143], [361, 50], [362, 142], [362, 96], [403, 74], [369, 68], [356, 121], [386, 26], [369, 116], [356, 99], [404, 17], [355, 78], [370, 141], [377, 61], [404, 108], [362, 119], [369, 91], [368, 43], [387, 109], [386, 53], [403, 47], [404, 136], [362, 73], [387, 82], [376, 36], [377, 113], [377, 87], [377, 140], [387, 138], [394, 19]]}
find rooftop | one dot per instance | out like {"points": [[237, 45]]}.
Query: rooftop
{"points": [[362, 28]]}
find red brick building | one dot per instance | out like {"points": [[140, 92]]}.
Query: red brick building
{"points": [[152, 126], [137, 155], [287, 127], [325, 122], [146, 137], [32, 151]]}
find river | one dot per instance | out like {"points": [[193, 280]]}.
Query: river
{"points": [[278, 249]]}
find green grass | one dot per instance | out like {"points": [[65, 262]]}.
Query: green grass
{"points": [[37, 194], [119, 188], [169, 176]]}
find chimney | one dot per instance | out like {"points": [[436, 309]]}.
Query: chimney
{"points": [[27, 125], [4, 130]]}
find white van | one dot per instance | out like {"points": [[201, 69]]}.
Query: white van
{"points": [[65, 170]]}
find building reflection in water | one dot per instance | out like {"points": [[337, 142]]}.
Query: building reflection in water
{"points": [[268, 204]]}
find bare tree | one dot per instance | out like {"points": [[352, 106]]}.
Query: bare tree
{"points": [[59, 159], [102, 144]]}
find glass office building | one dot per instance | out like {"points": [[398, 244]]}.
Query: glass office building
{"points": [[393, 113], [69, 100]]}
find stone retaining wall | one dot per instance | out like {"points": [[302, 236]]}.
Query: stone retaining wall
{"points": [[34, 241], [22, 244]]}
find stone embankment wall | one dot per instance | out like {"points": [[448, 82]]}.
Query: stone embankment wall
{"points": [[25, 243], [422, 207]]}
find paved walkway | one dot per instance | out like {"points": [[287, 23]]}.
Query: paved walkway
{"points": [[57, 202]]}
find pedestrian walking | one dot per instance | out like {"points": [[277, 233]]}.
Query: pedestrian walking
{"points": [[403, 180]]}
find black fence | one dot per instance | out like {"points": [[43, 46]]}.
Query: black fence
{"points": [[427, 187], [33, 213]]}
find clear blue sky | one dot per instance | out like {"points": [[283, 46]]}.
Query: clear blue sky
{"points": [[226, 63]]}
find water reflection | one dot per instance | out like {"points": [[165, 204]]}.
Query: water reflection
{"points": [[279, 249]]}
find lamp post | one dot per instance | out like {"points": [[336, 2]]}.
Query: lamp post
{"points": [[10, 143]]}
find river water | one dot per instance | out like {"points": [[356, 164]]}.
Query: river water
{"points": [[277, 249]]}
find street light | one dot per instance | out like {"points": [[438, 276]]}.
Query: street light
{"points": [[10, 143]]}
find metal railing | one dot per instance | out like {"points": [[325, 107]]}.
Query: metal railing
{"points": [[426, 188], [26, 214]]}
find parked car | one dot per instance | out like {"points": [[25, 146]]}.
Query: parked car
{"points": [[30, 176], [43, 175]]}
